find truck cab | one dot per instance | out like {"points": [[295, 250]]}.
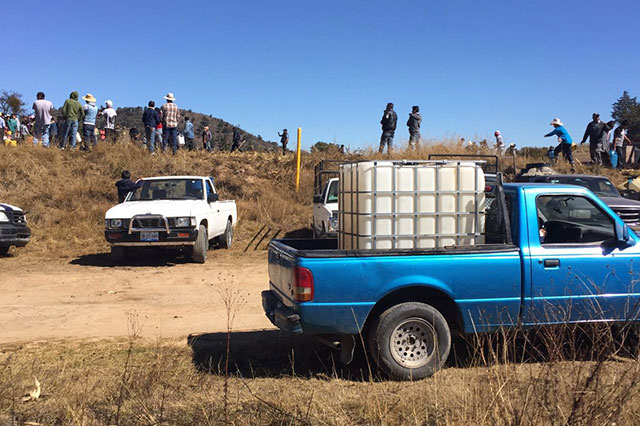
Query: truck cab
{"points": [[325, 210]]}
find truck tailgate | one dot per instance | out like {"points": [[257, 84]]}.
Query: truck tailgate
{"points": [[282, 262]]}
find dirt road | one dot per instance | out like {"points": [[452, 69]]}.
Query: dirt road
{"points": [[43, 299]]}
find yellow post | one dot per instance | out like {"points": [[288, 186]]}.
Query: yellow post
{"points": [[298, 160]]}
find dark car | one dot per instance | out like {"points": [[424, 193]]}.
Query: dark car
{"points": [[628, 210], [13, 228]]}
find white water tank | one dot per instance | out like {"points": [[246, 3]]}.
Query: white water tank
{"points": [[410, 205]]}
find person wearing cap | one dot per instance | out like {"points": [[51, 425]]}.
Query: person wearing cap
{"points": [[389, 122], [89, 123], [206, 138], [284, 140], [413, 123], [72, 112], [499, 142], [170, 118], [564, 138], [43, 109], [597, 132], [150, 120], [109, 115]]}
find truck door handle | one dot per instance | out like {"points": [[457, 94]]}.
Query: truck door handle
{"points": [[551, 263]]}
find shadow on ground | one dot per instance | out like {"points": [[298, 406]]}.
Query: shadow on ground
{"points": [[139, 257]]}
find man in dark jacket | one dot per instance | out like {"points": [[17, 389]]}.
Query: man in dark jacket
{"points": [[150, 119], [414, 127], [72, 112], [597, 132], [389, 122], [236, 139], [126, 185], [284, 140]]}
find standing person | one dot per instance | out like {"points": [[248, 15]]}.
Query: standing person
{"points": [[89, 123], [43, 119], [551, 154], [109, 121], [150, 120], [72, 112], [53, 131], [284, 140], [170, 117], [188, 134], [619, 138], [12, 124], [565, 140], [206, 138], [3, 127], [413, 123], [236, 139], [159, 129], [389, 121], [499, 142], [597, 132]]}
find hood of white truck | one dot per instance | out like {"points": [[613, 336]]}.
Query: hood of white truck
{"points": [[168, 208], [5, 206]]}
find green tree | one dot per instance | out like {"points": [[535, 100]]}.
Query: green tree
{"points": [[325, 147], [628, 108], [11, 103]]}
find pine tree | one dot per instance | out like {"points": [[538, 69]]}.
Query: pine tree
{"points": [[628, 108]]}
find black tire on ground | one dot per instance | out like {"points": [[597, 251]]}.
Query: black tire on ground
{"points": [[117, 254], [201, 246], [410, 341], [4, 250], [226, 239]]}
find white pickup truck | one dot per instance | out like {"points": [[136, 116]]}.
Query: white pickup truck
{"points": [[325, 210], [171, 211]]}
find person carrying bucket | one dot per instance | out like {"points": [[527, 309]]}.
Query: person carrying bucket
{"points": [[565, 140]]}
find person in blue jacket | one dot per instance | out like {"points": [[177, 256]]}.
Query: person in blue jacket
{"points": [[564, 138]]}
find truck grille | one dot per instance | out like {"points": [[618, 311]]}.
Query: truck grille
{"points": [[150, 223], [630, 216], [19, 219]]}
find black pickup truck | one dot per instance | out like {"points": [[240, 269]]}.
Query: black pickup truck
{"points": [[13, 228]]}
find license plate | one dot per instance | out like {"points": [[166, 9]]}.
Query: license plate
{"points": [[148, 236]]}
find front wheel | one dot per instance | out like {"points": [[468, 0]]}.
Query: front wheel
{"points": [[199, 254], [410, 341]]}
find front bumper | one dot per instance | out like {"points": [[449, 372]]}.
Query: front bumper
{"points": [[175, 237], [12, 235], [281, 316]]}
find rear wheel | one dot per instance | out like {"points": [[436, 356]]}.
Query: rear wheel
{"points": [[410, 341], [200, 247], [226, 239], [4, 250]]}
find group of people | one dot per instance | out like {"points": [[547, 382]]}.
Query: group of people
{"points": [[389, 123], [599, 135]]}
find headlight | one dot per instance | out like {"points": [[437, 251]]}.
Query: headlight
{"points": [[183, 221], [3, 217], [115, 223], [334, 223]]}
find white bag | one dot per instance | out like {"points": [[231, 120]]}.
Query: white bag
{"points": [[180, 140], [78, 138]]}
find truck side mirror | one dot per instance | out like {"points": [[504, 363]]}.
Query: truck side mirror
{"points": [[211, 197], [622, 235], [317, 199]]}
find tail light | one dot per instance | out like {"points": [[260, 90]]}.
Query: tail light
{"points": [[303, 287]]}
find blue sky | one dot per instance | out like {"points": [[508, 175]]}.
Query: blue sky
{"points": [[330, 67]]}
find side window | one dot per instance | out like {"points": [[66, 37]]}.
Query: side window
{"points": [[324, 192], [209, 189], [570, 219], [333, 192]]}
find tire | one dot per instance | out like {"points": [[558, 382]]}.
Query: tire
{"points": [[117, 254], [199, 254], [410, 341], [226, 239], [4, 250]]}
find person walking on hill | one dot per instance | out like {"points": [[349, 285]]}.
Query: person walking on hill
{"points": [[170, 117], [126, 185], [109, 121], [619, 138], [150, 120], [236, 139], [188, 134], [413, 123], [206, 138], [565, 140], [389, 122], [43, 109], [284, 140], [71, 112], [89, 124], [596, 132]]}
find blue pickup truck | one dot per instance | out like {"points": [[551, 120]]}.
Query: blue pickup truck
{"points": [[552, 254]]}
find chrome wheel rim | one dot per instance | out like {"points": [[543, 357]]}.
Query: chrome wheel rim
{"points": [[413, 343], [229, 236]]}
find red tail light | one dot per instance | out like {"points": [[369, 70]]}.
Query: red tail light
{"points": [[303, 287]]}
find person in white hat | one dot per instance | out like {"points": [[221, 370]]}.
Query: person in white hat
{"points": [[89, 122], [499, 142], [564, 138], [170, 117], [110, 121]]}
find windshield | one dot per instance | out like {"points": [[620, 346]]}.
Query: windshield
{"points": [[169, 189], [600, 187]]}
